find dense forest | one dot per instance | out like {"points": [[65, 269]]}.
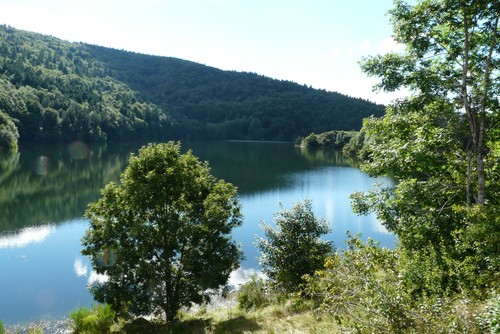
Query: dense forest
{"points": [[52, 91]]}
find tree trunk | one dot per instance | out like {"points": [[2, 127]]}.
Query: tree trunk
{"points": [[475, 114], [481, 176], [469, 177]]}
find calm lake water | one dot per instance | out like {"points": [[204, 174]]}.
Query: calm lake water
{"points": [[44, 191]]}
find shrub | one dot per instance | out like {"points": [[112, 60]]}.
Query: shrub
{"points": [[361, 289], [78, 317], [294, 248], [252, 294], [367, 290]]}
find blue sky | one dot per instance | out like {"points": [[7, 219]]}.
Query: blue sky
{"points": [[312, 42]]}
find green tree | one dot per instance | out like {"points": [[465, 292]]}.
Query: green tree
{"points": [[452, 53], [162, 235], [441, 142], [294, 248]]}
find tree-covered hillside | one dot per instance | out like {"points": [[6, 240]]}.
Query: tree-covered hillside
{"points": [[53, 91], [206, 102]]}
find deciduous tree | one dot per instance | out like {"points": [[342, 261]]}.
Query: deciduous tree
{"points": [[441, 142], [162, 235]]}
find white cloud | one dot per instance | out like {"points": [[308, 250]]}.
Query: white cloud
{"points": [[97, 278], [366, 45], [388, 45], [243, 275], [26, 236], [81, 269]]}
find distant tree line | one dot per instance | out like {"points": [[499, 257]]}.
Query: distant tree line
{"points": [[328, 140]]}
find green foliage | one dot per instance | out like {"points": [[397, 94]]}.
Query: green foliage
{"points": [[490, 318], [162, 235], [367, 290], [209, 103], [77, 318], [97, 320], [252, 294], [8, 134], [55, 91], [361, 288], [440, 144], [2, 328], [328, 140], [294, 248]]}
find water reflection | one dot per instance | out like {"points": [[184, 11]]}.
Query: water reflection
{"points": [[53, 183], [26, 236], [81, 269], [43, 272], [81, 266], [333, 157]]}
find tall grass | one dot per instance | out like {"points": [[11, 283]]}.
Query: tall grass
{"points": [[97, 320]]}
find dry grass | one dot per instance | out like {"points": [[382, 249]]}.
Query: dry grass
{"points": [[270, 319]]}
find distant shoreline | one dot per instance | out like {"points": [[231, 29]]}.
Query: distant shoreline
{"points": [[259, 141], [55, 326]]}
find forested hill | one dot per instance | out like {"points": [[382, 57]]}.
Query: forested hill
{"points": [[211, 103], [52, 90]]}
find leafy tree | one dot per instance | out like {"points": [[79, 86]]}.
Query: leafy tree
{"points": [[294, 248], [452, 53], [441, 142], [162, 235]]}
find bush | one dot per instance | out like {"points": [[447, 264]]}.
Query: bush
{"points": [[294, 248], [252, 294], [361, 289], [97, 320], [366, 289]]}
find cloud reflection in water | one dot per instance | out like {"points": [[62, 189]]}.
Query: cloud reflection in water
{"points": [[81, 268], [26, 236]]}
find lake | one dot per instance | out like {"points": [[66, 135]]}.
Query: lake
{"points": [[44, 191]]}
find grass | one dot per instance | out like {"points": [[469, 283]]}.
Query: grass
{"points": [[270, 319], [273, 318]]}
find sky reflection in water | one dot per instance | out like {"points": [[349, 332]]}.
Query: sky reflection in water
{"points": [[38, 278], [44, 274]]}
